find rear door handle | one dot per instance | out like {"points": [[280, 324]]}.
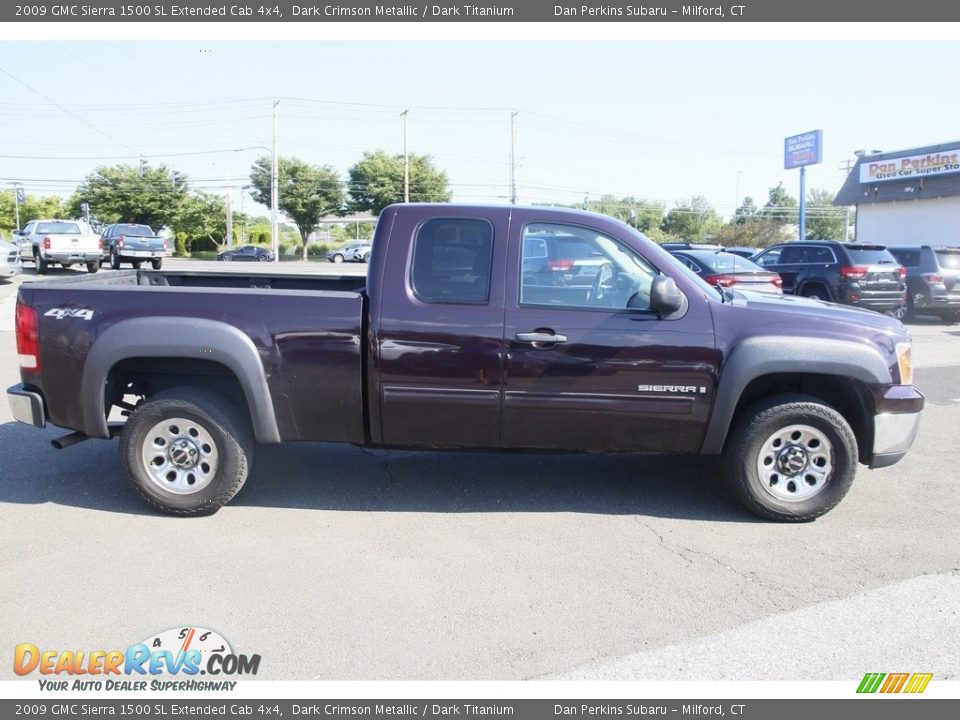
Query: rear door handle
{"points": [[540, 338]]}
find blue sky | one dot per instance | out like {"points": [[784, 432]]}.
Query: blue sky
{"points": [[660, 120]]}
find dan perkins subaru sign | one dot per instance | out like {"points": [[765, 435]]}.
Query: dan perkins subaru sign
{"points": [[805, 149]]}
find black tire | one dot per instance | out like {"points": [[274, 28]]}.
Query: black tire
{"points": [[114, 259], [816, 292], [227, 258], [212, 428], [157, 263], [263, 258], [904, 311], [366, 257], [42, 265], [92, 267], [136, 264], [812, 433], [951, 316]]}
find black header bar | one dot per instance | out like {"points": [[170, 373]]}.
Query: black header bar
{"points": [[618, 11]]}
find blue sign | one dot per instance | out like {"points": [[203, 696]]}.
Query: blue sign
{"points": [[805, 149], [21, 196]]}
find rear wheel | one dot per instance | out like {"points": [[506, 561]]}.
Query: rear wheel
{"points": [[114, 259], [157, 263], [816, 292], [951, 316], [136, 264], [186, 451], [338, 258], [92, 267], [263, 258], [790, 458], [904, 311], [42, 265]]}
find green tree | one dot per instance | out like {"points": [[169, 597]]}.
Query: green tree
{"points": [[350, 232], [756, 232], [33, 207], [824, 220], [377, 181], [644, 215], [746, 211], [781, 207], [203, 218], [692, 220], [306, 193], [124, 193]]}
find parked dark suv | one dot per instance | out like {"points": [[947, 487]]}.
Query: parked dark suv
{"points": [[933, 279], [867, 276]]}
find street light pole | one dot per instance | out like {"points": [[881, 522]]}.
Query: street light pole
{"points": [[274, 192], [513, 157]]}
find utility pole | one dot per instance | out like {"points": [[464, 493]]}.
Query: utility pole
{"points": [[513, 157], [18, 197], [274, 192], [406, 160], [229, 217]]}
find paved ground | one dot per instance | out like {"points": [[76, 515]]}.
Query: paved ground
{"points": [[338, 563]]}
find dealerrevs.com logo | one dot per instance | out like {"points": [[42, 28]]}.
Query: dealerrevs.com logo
{"points": [[169, 660]]}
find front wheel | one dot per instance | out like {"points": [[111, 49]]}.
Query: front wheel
{"points": [[790, 458], [186, 451], [338, 258]]}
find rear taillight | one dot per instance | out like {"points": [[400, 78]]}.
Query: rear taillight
{"points": [[560, 265], [721, 280], [777, 281], [46, 243], [28, 338], [164, 245], [100, 243], [902, 271], [932, 278], [853, 272], [120, 241]]}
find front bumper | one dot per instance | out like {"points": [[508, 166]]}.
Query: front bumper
{"points": [[26, 406], [10, 270], [895, 424]]}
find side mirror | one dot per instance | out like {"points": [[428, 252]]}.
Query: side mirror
{"points": [[17, 232], [665, 296]]}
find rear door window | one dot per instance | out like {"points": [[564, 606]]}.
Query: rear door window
{"points": [[949, 259]]}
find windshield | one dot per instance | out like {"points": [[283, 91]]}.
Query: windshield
{"points": [[135, 230], [710, 291], [58, 228], [949, 259], [870, 255]]}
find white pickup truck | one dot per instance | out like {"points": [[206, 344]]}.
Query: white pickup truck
{"points": [[67, 242]]}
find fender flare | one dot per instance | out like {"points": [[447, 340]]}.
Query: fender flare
{"points": [[196, 338], [756, 357]]}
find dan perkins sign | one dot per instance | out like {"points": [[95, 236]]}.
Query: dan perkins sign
{"points": [[910, 166], [805, 149]]}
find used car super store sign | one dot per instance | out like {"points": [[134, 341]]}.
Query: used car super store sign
{"points": [[899, 168]]}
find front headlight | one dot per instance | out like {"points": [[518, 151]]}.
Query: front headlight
{"points": [[905, 363]]}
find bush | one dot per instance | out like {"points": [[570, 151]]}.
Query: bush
{"points": [[204, 255], [317, 250], [180, 244]]}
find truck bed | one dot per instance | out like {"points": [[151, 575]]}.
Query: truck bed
{"points": [[307, 331]]}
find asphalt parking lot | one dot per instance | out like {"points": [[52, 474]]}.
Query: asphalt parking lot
{"points": [[338, 563]]}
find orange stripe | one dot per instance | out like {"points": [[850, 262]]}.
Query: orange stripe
{"points": [[187, 639]]}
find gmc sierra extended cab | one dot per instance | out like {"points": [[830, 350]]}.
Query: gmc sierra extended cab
{"points": [[464, 335]]}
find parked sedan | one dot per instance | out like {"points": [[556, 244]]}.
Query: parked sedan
{"points": [[10, 263], [727, 270], [348, 253], [248, 253]]}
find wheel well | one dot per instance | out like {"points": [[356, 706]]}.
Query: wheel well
{"points": [[815, 284], [143, 377], [849, 397]]}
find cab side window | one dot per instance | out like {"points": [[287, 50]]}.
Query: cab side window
{"points": [[452, 258]]}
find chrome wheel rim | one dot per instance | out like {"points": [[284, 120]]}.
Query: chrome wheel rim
{"points": [[795, 463], [180, 456]]}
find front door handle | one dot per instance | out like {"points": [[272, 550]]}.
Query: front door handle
{"points": [[540, 337]]}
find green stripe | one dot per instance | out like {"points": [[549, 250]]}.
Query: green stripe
{"points": [[871, 682]]}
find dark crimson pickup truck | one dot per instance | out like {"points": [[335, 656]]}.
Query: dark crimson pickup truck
{"points": [[509, 327]]}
